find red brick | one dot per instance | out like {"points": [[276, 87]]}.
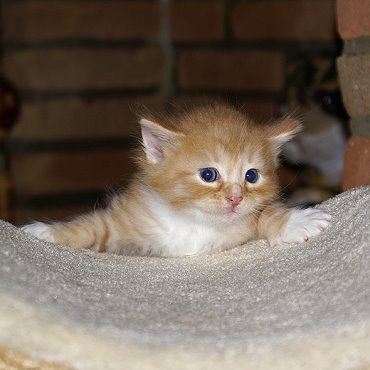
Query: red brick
{"points": [[71, 69], [53, 173], [260, 110], [284, 20], [60, 19], [236, 70], [357, 163], [197, 21], [354, 72], [353, 18], [80, 119]]}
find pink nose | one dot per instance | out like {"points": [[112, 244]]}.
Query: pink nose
{"points": [[234, 200]]}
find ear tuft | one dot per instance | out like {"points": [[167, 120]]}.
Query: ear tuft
{"points": [[155, 138], [283, 131]]}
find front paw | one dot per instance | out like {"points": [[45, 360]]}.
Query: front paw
{"points": [[302, 224], [40, 230]]}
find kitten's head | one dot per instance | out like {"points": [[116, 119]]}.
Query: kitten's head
{"points": [[213, 161]]}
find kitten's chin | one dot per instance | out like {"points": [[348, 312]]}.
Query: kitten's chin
{"points": [[223, 215]]}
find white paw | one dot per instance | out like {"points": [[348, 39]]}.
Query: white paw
{"points": [[302, 225], [40, 230]]}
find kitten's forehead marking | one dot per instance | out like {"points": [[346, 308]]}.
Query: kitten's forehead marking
{"points": [[232, 166]]}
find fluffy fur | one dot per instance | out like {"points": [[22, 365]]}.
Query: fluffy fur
{"points": [[169, 210]]}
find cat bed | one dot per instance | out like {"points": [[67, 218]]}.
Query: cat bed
{"points": [[298, 306]]}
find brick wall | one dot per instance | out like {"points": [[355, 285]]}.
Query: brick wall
{"points": [[354, 73], [81, 65]]}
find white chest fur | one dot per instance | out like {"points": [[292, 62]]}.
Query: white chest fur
{"points": [[193, 232]]}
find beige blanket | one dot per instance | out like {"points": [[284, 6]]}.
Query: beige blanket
{"points": [[299, 306]]}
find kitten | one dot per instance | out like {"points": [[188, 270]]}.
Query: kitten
{"points": [[206, 182]]}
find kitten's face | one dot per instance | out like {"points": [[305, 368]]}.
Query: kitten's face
{"points": [[219, 164]]}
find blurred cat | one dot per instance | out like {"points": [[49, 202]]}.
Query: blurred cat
{"points": [[316, 155], [206, 182]]}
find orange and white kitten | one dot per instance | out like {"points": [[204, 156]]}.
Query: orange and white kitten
{"points": [[206, 182]]}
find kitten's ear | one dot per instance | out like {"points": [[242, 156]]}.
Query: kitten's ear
{"points": [[155, 138], [283, 131]]}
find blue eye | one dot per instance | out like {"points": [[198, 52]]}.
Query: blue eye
{"points": [[209, 174], [251, 176]]}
